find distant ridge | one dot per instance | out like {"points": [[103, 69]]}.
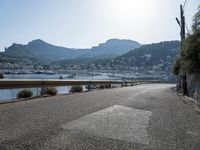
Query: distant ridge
{"points": [[113, 47], [44, 52], [147, 56]]}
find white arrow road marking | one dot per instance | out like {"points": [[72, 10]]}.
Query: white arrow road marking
{"points": [[116, 122]]}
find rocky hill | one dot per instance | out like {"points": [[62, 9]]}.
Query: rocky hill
{"points": [[113, 47], [41, 52], [147, 56], [156, 56]]}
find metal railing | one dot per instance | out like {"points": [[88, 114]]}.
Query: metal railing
{"points": [[36, 83]]}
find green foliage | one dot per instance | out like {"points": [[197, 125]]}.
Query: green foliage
{"points": [[76, 88], [146, 56], [51, 91], [108, 86], [190, 59], [191, 54], [176, 67], [103, 86], [196, 21], [24, 93]]}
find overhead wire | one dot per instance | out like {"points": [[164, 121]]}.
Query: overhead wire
{"points": [[185, 4], [184, 8]]}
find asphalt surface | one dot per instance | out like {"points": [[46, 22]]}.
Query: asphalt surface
{"points": [[141, 117]]}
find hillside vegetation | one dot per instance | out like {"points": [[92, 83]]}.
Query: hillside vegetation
{"points": [[190, 59]]}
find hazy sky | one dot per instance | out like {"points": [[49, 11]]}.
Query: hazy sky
{"points": [[85, 23]]}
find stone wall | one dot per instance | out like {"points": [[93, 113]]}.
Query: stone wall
{"points": [[193, 86]]}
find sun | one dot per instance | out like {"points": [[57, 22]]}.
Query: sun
{"points": [[128, 8]]}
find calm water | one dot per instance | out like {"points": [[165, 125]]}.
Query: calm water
{"points": [[11, 93]]}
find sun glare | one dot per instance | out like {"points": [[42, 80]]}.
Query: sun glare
{"points": [[128, 8]]}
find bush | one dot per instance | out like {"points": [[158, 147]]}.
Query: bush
{"points": [[191, 50], [176, 67], [51, 91], [24, 93], [102, 86], [108, 86], [76, 88]]}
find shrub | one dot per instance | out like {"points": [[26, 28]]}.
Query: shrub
{"points": [[76, 88], [176, 67], [191, 50], [102, 86], [51, 91], [108, 86], [24, 93]]}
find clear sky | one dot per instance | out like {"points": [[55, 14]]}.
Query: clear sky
{"points": [[85, 23]]}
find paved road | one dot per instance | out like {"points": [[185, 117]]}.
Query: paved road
{"points": [[141, 117]]}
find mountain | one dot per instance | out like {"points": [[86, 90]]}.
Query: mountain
{"points": [[12, 60], [148, 56], [156, 56], [112, 47], [42, 52]]}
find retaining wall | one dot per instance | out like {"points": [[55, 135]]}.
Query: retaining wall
{"points": [[193, 86]]}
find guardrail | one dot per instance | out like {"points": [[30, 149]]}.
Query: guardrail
{"points": [[35, 83]]}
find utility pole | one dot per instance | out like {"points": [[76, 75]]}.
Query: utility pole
{"points": [[182, 26]]}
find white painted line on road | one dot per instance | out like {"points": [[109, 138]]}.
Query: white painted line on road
{"points": [[116, 122]]}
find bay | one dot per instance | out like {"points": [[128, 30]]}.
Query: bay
{"points": [[11, 94]]}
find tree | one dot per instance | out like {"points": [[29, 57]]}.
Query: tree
{"points": [[191, 50], [176, 67], [190, 60], [196, 21]]}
